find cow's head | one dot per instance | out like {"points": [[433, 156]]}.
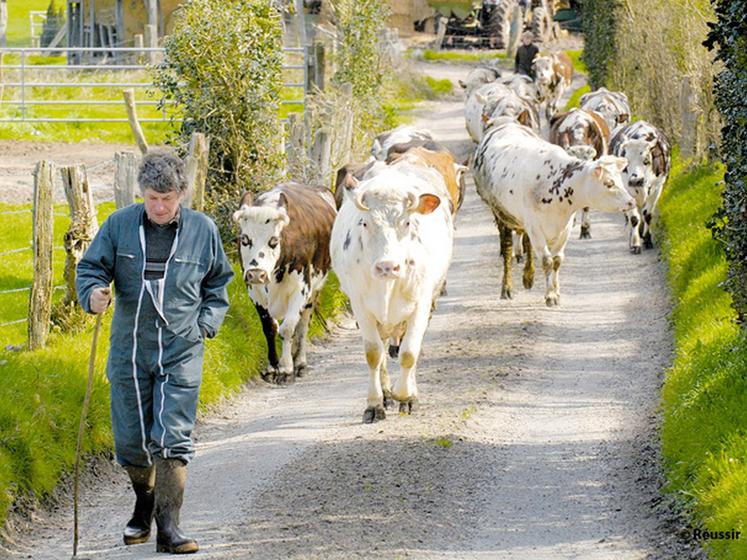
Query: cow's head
{"points": [[388, 218], [639, 174], [543, 70], [608, 192], [508, 106], [260, 229], [582, 151]]}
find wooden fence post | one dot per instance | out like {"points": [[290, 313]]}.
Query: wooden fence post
{"points": [[440, 33], [151, 41], [125, 178], [513, 33], [40, 300], [83, 223], [320, 156], [345, 145], [138, 57], [317, 63], [137, 132], [197, 167], [296, 155]]}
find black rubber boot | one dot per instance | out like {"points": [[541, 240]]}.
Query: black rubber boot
{"points": [[171, 477], [138, 527]]}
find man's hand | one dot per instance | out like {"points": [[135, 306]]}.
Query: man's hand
{"points": [[100, 299]]}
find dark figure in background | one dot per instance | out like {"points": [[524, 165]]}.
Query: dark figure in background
{"points": [[170, 275], [525, 55]]}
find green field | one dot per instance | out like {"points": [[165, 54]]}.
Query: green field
{"points": [[704, 434], [19, 31]]}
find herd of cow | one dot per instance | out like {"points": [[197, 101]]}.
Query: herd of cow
{"points": [[388, 229]]}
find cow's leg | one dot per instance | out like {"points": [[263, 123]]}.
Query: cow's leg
{"points": [[518, 246], [300, 339], [634, 218], [528, 276], [507, 252], [287, 329], [648, 213], [405, 390], [375, 356], [585, 224], [558, 251], [270, 330], [386, 384]]}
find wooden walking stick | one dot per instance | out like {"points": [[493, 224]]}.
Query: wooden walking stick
{"points": [[81, 428]]}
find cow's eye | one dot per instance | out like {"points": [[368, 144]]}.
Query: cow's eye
{"points": [[245, 241], [364, 224], [273, 242], [609, 183]]}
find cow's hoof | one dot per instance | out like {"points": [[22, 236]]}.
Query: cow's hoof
{"points": [[407, 407], [647, 243], [270, 374], [393, 351], [636, 250], [585, 233], [527, 281], [506, 293], [388, 401], [552, 301], [373, 414], [301, 370], [285, 378]]}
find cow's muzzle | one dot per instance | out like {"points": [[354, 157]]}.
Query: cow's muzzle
{"points": [[387, 269], [255, 276], [636, 182]]}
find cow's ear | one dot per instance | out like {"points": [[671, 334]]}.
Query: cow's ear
{"points": [[620, 162], [622, 118], [350, 183], [246, 199], [462, 84], [481, 99], [282, 201], [427, 203], [238, 215], [524, 118]]}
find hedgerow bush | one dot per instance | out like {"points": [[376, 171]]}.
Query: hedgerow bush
{"points": [[599, 24], [729, 33], [223, 68]]}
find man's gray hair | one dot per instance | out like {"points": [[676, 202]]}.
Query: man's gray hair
{"points": [[163, 171]]}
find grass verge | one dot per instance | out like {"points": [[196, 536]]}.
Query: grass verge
{"points": [[462, 56], [704, 433], [573, 100]]}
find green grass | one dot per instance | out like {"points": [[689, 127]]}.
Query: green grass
{"points": [[704, 434], [42, 391], [404, 93], [573, 100], [19, 31], [578, 64], [462, 56]]}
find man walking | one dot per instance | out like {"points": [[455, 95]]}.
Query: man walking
{"points": [[525, 55], [170, 275]]}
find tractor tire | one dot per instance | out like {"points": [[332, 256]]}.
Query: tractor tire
{"points": [[499, 25], [540, 28]]}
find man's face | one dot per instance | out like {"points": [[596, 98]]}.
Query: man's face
{"points": [[526, 41], [161, 208]]}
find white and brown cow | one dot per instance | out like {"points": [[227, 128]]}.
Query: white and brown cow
{"points": [[521, 85], [475, 104], [552, 76], [612, 105], [401, 135], [535, 187], [284, 246], [391, 248], [649, 159], [583, 134], [511, 105]]}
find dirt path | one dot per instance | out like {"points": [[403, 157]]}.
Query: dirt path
{"points": [[534, 438]]}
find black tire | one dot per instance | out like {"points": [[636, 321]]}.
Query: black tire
{"points": [[499, 24], [540, 29]]}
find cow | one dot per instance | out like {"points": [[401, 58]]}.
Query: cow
{"points": [[400, 135], [478, 77], [511, 105], [521, 85], [475, 103], [535, 187], [649, 159], [391, 248], [552, 76], [585, 135], [612, 105], [284, 248]]}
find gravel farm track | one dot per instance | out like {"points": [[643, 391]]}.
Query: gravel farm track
{"points": [[535, 437]]}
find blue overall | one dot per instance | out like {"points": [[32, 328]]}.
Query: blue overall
{"points": [[156, 343]]}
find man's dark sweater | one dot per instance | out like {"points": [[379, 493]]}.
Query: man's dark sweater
{"points": [[524, 56], [158, 242]]}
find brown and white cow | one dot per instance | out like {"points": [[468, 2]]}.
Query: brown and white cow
{"points": [[535, 187], [649, 159], [583, 134], [511, 105], [552, 76], [612, 105], [391, 248], [284, 247]]}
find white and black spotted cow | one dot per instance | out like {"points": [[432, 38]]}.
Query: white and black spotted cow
{"points": [[649, 159], [404, 134], [612, 105], [284, 246], [535, 187], [477, 77]]}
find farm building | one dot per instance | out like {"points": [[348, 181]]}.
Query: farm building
{"points": [[113, 23]]}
